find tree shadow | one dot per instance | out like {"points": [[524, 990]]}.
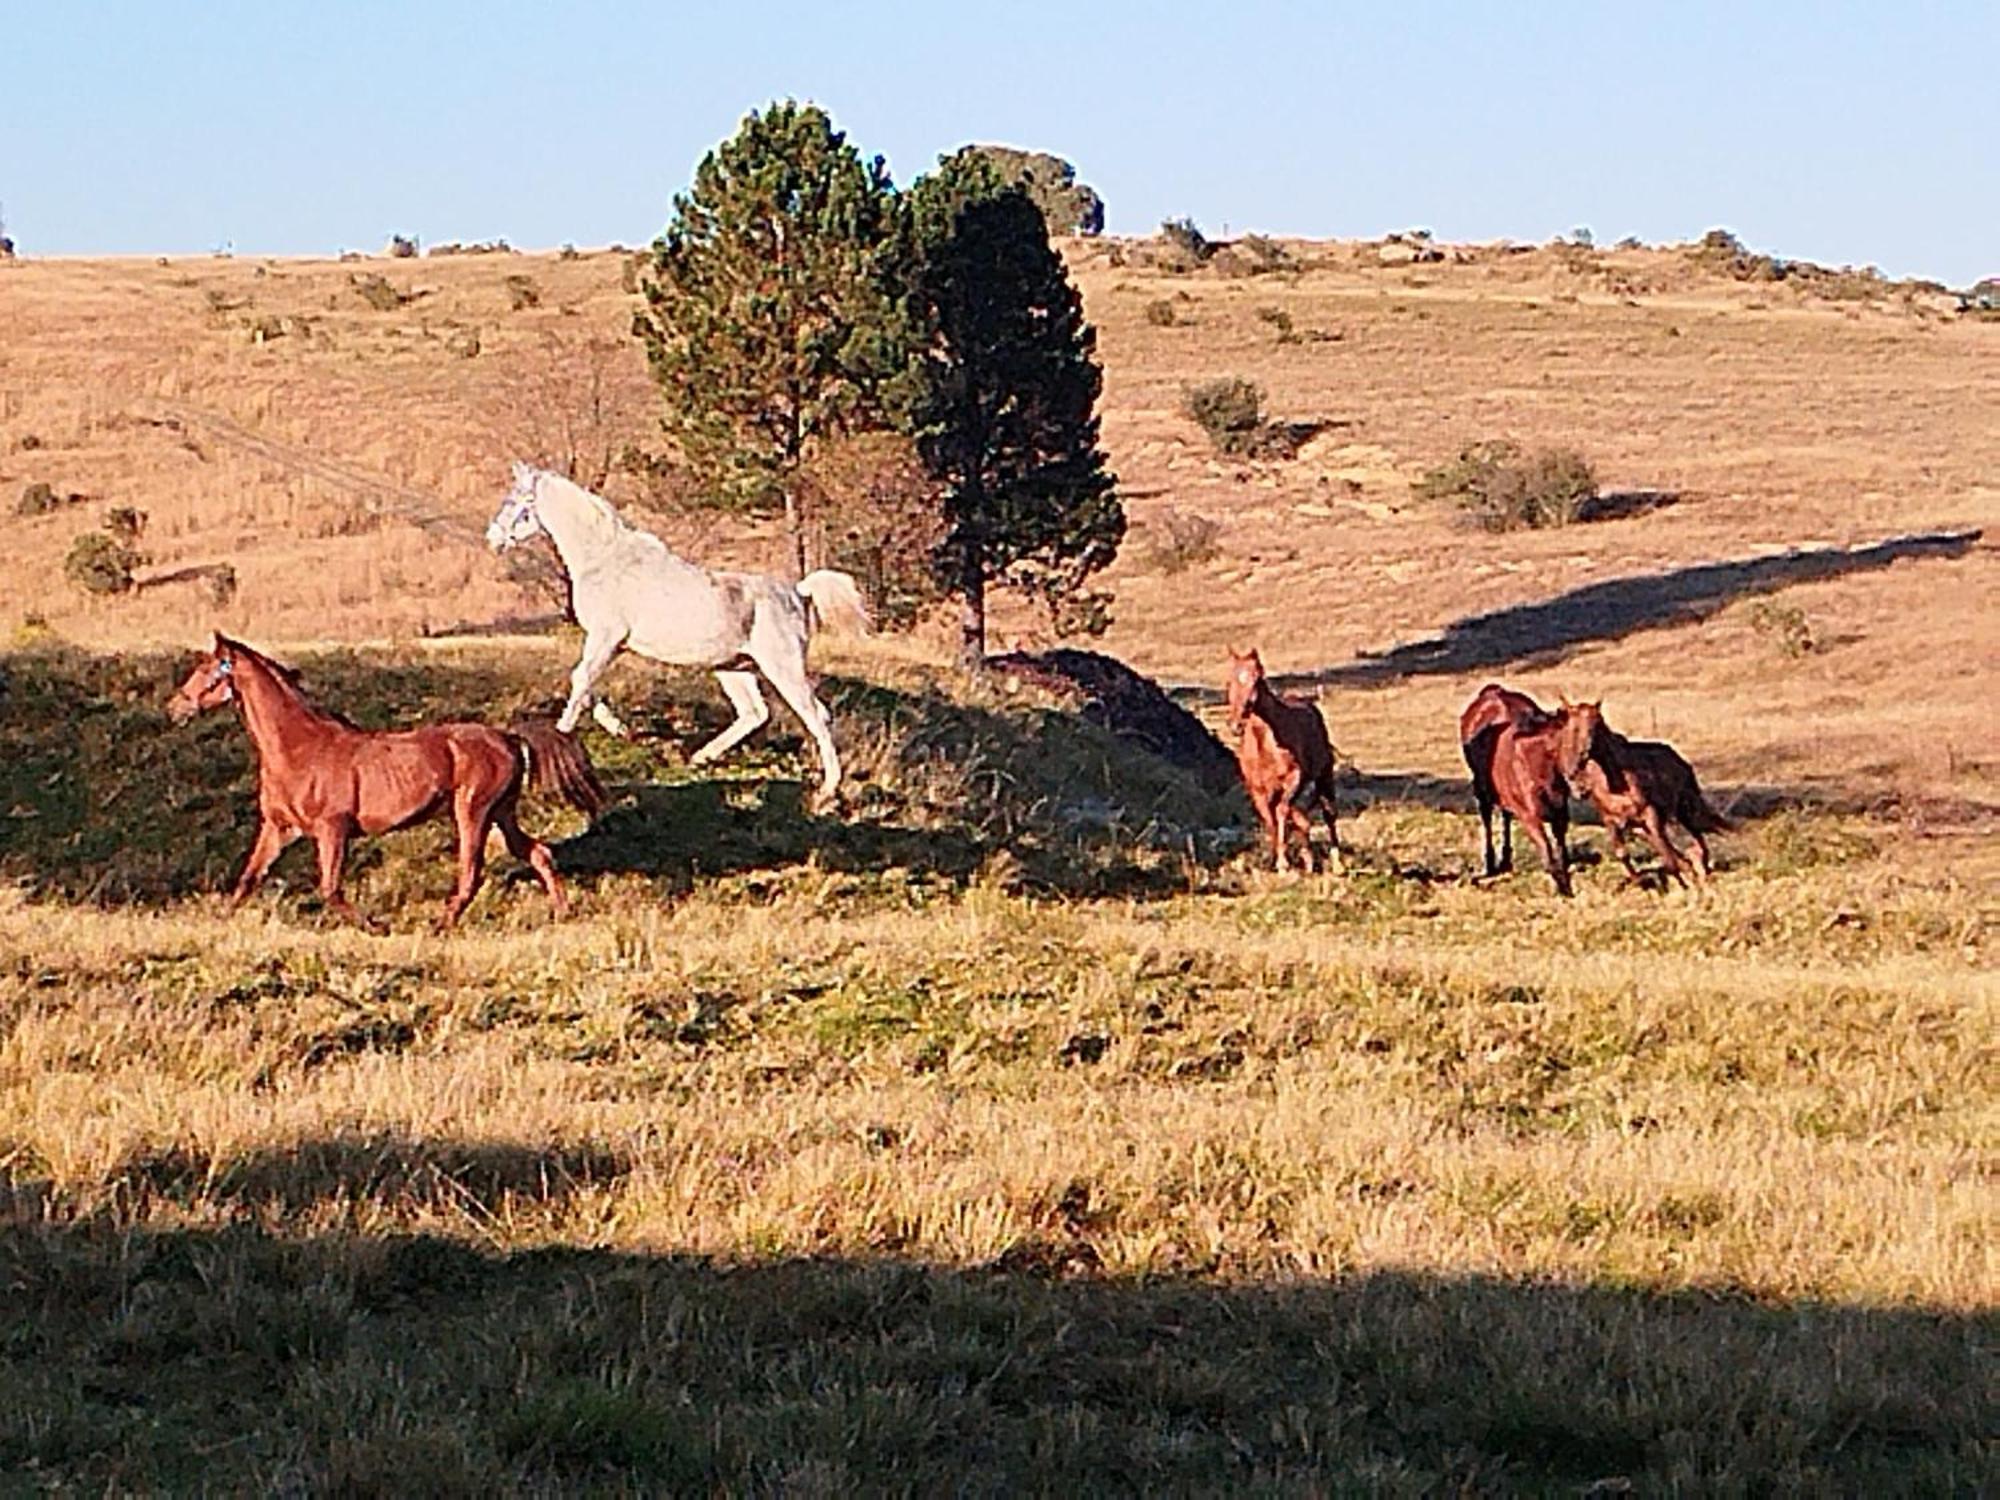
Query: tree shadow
{"points": [[104, 801], [239, 1355], [1543, 633]]}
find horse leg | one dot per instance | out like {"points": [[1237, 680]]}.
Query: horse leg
{"points": [[332, 837], [1655, 830], [598, 650], [525, 846], [1620, 848], [1303, 825], [1334, 860], [475, 820], [1506, 841], [1486, 851], [1703, 869], [751, 715], [1554, 857], [609, 721], [787, 671], [272, 838]]}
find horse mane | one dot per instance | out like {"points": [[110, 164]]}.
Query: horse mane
{"points": [[595, 509], [287, 678]]}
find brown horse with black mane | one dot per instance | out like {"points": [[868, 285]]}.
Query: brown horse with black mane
{"points": [[1492, 708], [321, 777], [1285, 755], [1641, 784]]}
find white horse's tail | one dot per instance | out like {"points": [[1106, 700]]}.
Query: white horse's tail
{"points": [[836, 599]]}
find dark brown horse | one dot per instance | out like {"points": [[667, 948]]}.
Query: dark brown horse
{"points": [[320, 777], [1492, 708], [1640, 784], [1285, 755]]}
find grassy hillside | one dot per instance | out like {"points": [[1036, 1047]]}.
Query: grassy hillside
{"points": [[1016, 1128], [967, 1137]]}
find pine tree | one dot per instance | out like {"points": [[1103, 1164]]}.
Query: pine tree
{"points": [[1005, 418], [774, 314]]}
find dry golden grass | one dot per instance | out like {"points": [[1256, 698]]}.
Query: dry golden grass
{"points": [[970, 1142]]}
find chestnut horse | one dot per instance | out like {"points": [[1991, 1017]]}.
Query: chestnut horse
{"points": [[1285, 756], [1492, 707], [1639, 784], [322, 777], [1527, 781]]}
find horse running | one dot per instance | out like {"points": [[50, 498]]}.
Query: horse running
{"points": [[1478, 729], [631, 593], [1639, 784], [321, 777], [1285, 756]]}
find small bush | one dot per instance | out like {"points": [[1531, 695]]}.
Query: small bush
{"points": [[98, 564], [522, 292], [1501, 487], [1161, 313], [1265, 254], [569, 252], [377, 292], [221, 583], [125, 524], [1230, 410], [402, 246], [40, 498], [1188, 245], [1180, 539], [1785, 626]]}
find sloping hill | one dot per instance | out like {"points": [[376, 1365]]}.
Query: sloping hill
{"points": [[1787, 423]]}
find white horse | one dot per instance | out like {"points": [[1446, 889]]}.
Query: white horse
{"points": [[630, 593]]}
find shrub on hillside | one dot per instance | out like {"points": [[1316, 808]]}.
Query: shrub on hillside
{"points": [[1229, 409], [1187, 246], [377, 292], [1182, 538], [98, 564], [522, 292], [39, 498], [1161, 313], [1502, 487], [401, 246]]}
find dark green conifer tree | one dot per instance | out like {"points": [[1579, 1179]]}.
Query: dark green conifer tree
{"points": [[775, 314], [1004, 413]]}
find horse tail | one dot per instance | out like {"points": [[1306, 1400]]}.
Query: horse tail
{"points": [[557, 763], [836, 599], [1708, 820]]}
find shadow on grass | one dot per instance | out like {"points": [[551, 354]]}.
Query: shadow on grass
{"points": [[102, 800], [239, 1358], [1544, 632]]}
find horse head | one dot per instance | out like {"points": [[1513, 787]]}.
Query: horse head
{"points": [[1246, 676], [1576, 741], [515, 521], [211, 684]]}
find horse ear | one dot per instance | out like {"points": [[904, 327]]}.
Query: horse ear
{"points": [[523, 474]]}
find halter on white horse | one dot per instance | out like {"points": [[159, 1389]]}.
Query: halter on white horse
{"points": [[631, 593]]}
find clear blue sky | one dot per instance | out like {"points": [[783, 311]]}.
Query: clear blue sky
{"points": [[1840, 133]]}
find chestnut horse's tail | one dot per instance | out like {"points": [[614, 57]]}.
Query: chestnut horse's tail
{"points": [[558, 763]]}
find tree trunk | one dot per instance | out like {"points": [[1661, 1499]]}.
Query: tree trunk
{"points": [[972, 615], [796, 531]]}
